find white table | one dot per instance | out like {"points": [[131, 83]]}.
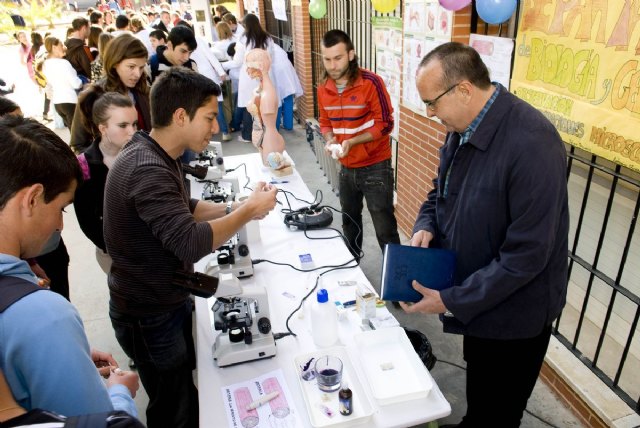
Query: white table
{"points": [[283, 245]]}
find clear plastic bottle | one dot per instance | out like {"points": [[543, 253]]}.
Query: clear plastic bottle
{"points": [[324, 321]]}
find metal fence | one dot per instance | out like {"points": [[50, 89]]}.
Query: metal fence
{"points": [[280, 31], [604, 272], [354, 18]]}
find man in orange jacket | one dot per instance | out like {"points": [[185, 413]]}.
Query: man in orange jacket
{"points": [[356, 113]]}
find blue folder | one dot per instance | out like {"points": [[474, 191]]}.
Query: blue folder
{"points": [[401, 264]]}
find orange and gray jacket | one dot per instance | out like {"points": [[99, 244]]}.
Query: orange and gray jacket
{"points": [[363, 106]]}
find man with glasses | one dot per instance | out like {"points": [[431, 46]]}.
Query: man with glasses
{"points": [[355, 112], [500, 202]]}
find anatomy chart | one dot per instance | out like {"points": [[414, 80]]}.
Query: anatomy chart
{"points": [[387, 36], [426, 25]]}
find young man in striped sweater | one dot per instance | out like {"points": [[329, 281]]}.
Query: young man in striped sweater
{"points": [[154, 231]]}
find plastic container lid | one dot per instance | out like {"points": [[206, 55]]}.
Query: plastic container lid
{"points": [[323, 296]]}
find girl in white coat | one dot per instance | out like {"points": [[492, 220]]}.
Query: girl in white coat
{"points": [[62, 80]]}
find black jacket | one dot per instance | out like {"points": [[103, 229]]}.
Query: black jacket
{"points": [[88, 202], [78, 54]]}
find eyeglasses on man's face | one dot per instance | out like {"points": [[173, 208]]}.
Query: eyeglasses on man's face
{"points": [[431, 104]]}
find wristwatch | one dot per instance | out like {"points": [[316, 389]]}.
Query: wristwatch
{"points": [[229, 208]]}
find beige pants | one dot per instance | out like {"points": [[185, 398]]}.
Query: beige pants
{"points": [[104, 260]]}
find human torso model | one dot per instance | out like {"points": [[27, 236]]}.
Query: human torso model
{"points": [[263, 106]]}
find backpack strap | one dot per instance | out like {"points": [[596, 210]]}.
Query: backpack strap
{"points": [[84, 165], [13, 289], [93, 420]]}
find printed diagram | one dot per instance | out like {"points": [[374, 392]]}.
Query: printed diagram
{"points": [[261, 402]]}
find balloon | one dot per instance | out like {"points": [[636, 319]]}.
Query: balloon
{"points": [[318, 8], [454, 4], [495, 11], [385, 6]]}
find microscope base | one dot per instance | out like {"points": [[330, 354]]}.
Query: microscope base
{"points": [[226, 353]]}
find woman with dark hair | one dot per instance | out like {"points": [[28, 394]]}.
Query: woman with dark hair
{"points": [[117, 120], [24, 50], [93, 39], [282, 73], [39, 54], [96, 65], [124, 61]]}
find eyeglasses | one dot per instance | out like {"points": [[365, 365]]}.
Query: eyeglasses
{"points": [[431, 104]]}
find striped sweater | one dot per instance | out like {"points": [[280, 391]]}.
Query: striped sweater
{"points": [[149, 229], [362, 107]]}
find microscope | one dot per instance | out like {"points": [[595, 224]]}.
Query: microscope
{"points": [[241, 314], [232, 257]]}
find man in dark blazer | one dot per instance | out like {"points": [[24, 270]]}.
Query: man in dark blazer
{"points": [[500, 202]]}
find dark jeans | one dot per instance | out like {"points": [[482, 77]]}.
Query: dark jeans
{"points": [[501, 375], [163, 350], [47, 104], [247, 124], [224, 127], [375, 184], [66, 110], [236, 117]]}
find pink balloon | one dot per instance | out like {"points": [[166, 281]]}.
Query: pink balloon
{"points": [[454, 4]]}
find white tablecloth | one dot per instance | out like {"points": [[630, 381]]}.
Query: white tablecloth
{"points": [[278, 243]]}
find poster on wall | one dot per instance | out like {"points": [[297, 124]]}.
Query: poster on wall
{"points": [[426, 25], [387, 37], [496, 55], [251, 6], [578, 65], [279, 9]]}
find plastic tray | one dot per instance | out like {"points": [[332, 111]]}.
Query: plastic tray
{"points": [[391, 367], [362, 406]]}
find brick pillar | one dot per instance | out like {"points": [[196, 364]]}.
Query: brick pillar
{"points": [[302, 57], [240, 5], [420, 139]]}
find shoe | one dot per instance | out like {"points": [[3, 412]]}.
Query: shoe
{"points": [[132, 364], [244, 140], [226, 137], [46, 118]]}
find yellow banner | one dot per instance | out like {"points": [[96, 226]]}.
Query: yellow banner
{"points": [[577, 62]]}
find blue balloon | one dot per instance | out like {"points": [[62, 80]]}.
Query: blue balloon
{"points": [[495, 11]]}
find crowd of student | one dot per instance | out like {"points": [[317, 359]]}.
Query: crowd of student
{"points": [[99, 79], [62, 68]]}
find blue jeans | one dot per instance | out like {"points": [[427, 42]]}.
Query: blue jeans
{"points": [[375, 184], [224, 128], [285, 111], [236, 120], [162, 348]]}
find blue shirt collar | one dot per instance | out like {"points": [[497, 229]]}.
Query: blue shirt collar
{"points": [[466, 135]]}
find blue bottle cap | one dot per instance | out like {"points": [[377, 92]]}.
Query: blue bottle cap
{"points": [[323, 296]]}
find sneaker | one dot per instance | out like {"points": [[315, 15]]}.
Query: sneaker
{"points": [[244, 140], [46, 118], [226, 137]]}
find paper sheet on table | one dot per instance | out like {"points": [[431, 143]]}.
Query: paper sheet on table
{"points": [[281, 411]]}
